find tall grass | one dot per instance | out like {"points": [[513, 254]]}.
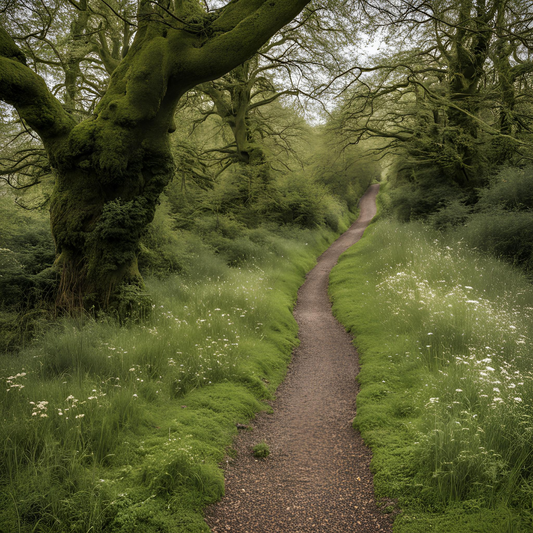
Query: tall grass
{"points": [[447, 377], [120, 428]]}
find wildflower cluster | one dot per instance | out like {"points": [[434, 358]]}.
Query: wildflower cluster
{"points": [[13, 382], [39, 409]]}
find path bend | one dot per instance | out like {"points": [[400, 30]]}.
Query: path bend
{"points": [[317, 478]]}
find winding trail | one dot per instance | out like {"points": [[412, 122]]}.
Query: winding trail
{"points": [[317, 478]]}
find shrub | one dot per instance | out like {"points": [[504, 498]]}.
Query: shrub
{"points": [[505, 234], [502, 223], [295, 199], [237, 251], [261, 450], [161, 249], [224, 225], [455, 213], [347, 173], [333, 214], [412, 202], [512, 188], [419, 191], [26, 249]]}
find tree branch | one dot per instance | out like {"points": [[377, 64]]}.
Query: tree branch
{"points": [[28, 93], [267, 101], [242, 28]]}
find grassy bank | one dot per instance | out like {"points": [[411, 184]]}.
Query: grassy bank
{"points": [[120, 428], [446, 399]]}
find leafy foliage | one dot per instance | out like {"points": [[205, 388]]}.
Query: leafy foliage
{"points": [[502, 223], [26, 280], [510, 189]]}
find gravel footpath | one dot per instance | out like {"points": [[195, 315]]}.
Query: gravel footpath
{"points": [[317, 477]]}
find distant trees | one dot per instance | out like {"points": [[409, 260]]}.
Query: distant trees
{"points": [[234, 98], [293, 65], [452, 93]]}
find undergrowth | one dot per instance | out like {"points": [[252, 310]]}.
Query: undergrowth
{"points": [[121, 427], [446, 399]]}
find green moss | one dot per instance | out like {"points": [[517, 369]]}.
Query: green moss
{"points": [[138, 86], [146, 83], [100, 211], [81, 139], [70, 211], [22, 88], [112, 154], [9, 49]]}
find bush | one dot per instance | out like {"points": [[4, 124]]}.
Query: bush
{"points": [[333, 214], [261, 450], [502, 223], [419, 191], [512, 188], [224, 225], [505, 234], [347, 173], [161, 250], [26, 250], [27, 282], [412, 202], [455, 213], [236, 252], [296, 199]]}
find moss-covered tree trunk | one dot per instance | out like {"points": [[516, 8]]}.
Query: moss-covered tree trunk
{"points": [[110, 172], [106, 192], [504, 54], [466, 69], [112, 167]]}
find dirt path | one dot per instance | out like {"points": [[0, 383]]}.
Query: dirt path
{"points": [[317, 477]]}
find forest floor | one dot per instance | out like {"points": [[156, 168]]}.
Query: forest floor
{"points": [[317, 476]]}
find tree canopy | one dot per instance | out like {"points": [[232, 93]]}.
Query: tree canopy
{"points": [[451, 88]]}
